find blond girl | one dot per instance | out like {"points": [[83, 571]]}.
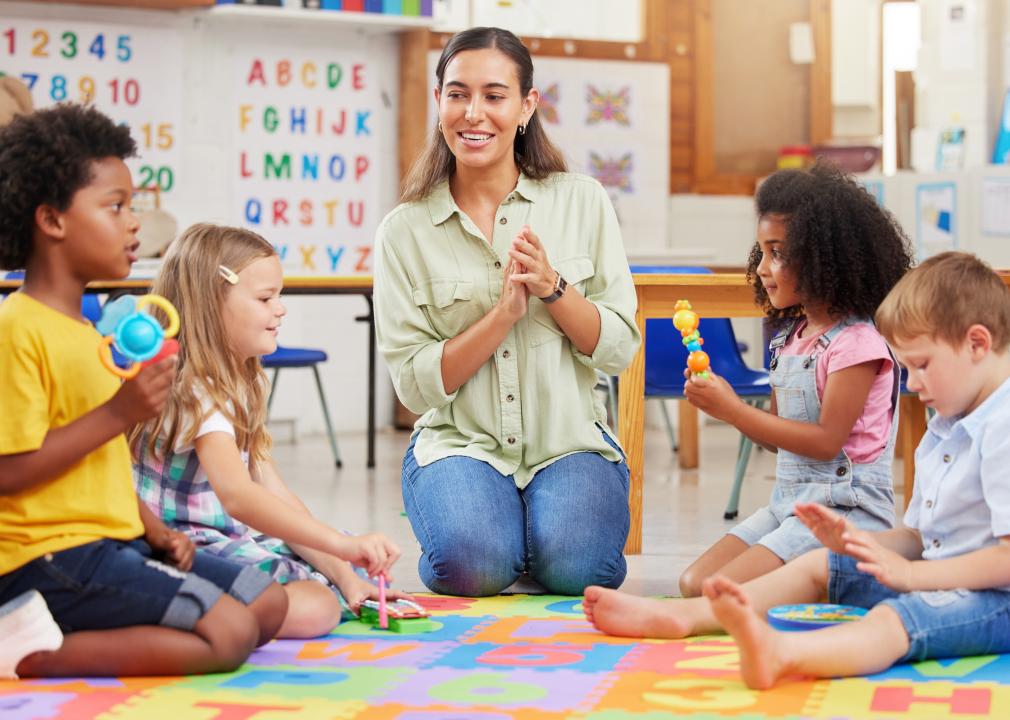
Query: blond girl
{"points": [[204, 465]]}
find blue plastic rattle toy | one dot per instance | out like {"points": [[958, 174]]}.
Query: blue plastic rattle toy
{"points": [[135, 334]]}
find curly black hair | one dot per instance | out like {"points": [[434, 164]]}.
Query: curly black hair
{"points": [[844, 249], [45, 158]]}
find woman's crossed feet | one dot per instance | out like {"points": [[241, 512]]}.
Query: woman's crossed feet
{"points": [[616, 613], [762, 649]]}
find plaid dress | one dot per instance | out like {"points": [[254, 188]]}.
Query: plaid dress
{"points": [[177, 490]]}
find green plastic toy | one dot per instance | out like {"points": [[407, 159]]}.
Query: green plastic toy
{"points": [[402, 616]]}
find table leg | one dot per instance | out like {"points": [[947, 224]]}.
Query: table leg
{"points": [[631, 430], [371, 382], [687, 435], [911, 428], [370, 319]]}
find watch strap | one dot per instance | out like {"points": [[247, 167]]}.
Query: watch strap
{"points": [[560, 285]]}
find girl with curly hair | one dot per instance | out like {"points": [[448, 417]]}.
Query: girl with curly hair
{"points": [[826, 256]]}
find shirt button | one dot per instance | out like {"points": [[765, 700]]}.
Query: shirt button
{"points": [[946, 458], [506, 354], [502, 221], [510, 398], [929, 503], [840, 472], [512, 441], [497, 264], [936, 542]]}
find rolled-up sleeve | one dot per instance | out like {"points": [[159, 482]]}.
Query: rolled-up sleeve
{"points": [[612, 291], [410, 346]]}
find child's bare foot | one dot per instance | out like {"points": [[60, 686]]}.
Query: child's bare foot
{"points": [[761, 647], [617, 613]]}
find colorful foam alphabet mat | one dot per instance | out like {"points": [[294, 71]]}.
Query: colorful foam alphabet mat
{"points": [[531, 658]]}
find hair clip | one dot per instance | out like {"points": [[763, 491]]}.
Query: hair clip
{"points": [[229, 275]]}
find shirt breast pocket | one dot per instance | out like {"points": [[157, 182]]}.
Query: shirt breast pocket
{"points": [[576, 271], [449, 305]]}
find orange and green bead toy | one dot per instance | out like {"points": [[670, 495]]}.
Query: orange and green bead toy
{"points": [[686, 321]]}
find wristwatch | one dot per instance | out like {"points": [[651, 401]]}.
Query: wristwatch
{"points": [[560, 285]]}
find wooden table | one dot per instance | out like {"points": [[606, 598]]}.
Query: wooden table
{"points": [[293, 285]]}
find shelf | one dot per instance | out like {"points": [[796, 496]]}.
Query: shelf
{"points": [[367, 23], [137, 4]]}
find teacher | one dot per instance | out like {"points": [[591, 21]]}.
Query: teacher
{"points": [[501, 287]]}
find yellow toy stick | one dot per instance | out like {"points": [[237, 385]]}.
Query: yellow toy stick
{"points": [[686, 321]]}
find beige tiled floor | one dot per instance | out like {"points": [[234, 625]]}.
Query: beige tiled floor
{"points": [[683, 508]]}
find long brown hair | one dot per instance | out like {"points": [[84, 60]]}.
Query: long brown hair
{"points": [[536, 156], [208, 376]]}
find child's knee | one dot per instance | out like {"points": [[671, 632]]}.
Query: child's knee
{"points": [[690, 582], [231, 630], [313, 609], [892, 630], [270, 609]]}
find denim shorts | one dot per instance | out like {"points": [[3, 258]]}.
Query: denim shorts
{"points": [[111, 584], [939, 623], [789, 538]]}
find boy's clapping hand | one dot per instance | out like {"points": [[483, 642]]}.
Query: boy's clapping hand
{"points": [[886, 566], [827, 526]]}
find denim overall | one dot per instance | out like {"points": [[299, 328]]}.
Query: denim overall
{"points": [[862, 492]]}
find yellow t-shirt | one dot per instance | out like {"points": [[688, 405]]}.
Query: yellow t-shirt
{"points": [[50, 375]]}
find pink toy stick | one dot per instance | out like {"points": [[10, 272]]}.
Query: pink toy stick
{"points": [[383, 618]]}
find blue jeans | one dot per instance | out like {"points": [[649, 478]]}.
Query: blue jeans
{"points": [[939, 623], [479, 532], [112, 583]]}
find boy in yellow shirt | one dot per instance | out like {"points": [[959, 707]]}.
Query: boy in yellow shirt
{"points": [[131, 596]]}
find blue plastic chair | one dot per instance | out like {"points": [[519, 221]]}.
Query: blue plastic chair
{"points": [[286, 357], [666, 358]]}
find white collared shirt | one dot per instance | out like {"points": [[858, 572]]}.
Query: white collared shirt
{"points": [[961, 500]]}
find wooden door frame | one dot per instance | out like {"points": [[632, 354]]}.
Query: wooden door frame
{"points": [[707, 179]]}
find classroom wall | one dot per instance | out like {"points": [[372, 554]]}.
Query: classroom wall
{"points": [[855, 68], [960, 80], [209, 183]]}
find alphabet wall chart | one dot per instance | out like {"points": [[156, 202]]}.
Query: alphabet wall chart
{"points": [[305, 143]]}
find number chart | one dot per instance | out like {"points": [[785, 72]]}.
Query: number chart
{"points": [[131, 73]]}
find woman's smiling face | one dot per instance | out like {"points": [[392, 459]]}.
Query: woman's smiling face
{"points": [[481, 106]]}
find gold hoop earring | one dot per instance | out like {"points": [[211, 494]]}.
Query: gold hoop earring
{"points": [[440, 126]]}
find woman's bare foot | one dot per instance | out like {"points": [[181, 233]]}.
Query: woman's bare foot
{"points": [[617, 613], [762, 659]]}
